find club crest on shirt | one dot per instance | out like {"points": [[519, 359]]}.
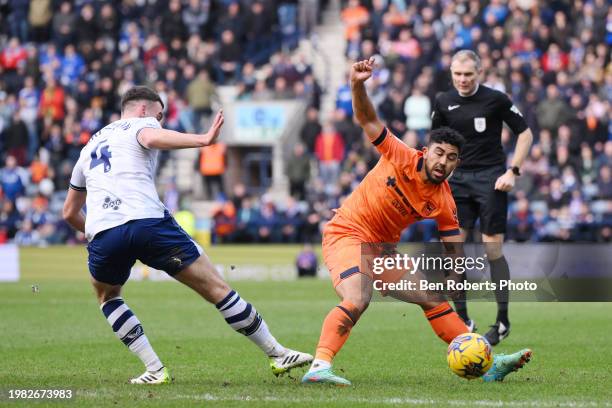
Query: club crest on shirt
{"points": [[428, 208], [480, 124]]}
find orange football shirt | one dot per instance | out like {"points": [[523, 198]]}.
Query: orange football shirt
{"points": [[392, 196]]}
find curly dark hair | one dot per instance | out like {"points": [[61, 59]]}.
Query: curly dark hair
{"points": [[447, 135], [139, 93]]}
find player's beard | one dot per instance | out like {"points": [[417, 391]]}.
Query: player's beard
{"points": [[433, 179]]}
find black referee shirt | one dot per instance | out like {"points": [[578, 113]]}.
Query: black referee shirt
{"points": [[479, 118]]}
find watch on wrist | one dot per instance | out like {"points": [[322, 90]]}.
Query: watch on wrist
{"points": [[515, 170]]}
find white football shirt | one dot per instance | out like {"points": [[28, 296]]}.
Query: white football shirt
{"points": [[118, 174]]}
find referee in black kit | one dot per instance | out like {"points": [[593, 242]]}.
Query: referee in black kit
{"points": [[481, 183]]}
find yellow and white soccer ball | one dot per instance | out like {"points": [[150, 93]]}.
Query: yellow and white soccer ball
{"points": [[469, 355]]}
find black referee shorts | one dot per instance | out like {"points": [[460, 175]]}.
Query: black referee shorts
{"points": [[476, 197]]}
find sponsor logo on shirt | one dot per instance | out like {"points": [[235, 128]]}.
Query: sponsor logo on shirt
{"points": [[110, 203]]}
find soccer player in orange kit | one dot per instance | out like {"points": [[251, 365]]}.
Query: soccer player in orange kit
{"points": [[405, 186]]}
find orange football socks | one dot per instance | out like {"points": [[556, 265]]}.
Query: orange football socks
{"points": [[336, 329], [445, 322]]}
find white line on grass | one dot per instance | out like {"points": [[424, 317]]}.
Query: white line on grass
{"points": [[399, 401]]}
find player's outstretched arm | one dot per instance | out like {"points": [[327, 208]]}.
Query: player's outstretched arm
{"points": [[362, 106], [165, 139]]}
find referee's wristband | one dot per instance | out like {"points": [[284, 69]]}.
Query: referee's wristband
{"points": [[515, 170]]}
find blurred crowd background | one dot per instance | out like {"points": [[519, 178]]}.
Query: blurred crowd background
{"points": [[65, 64]]}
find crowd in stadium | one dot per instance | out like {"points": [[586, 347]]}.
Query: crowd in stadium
{"points": [[64, 65]]}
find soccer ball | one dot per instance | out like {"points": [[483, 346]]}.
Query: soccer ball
{"points": [[469, 355]]}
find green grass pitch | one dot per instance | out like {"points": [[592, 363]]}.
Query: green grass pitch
{"points": [[58, 338]]}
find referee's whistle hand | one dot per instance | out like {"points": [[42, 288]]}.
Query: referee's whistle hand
{"points": [[505, 182]]}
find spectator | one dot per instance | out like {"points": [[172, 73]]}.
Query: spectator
{"points": [[10, 59], [343, 99], [72, 67], [229, 57], [604, 183], [392, 110], [290, 222], [212, 168], [310, 129], [418, 113], [108, 24], [28, 101], [195, 16], [553, 111], [64, 24], [171, 24], [354, 16], [329, 150], [18, 19], [306, 262], [52, 101], [39, 17], [9, 220], [298, 172], [224, 221], [232, 20], [86, 29], [308, 12], [246, 226], [201, 93], [260, 44], [13, 179]]}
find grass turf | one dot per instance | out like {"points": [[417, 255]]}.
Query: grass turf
{"points": [[57, 338]]}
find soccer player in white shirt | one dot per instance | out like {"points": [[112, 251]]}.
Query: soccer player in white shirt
{"points": [[126, 221]]}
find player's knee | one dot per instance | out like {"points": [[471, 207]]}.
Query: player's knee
{"points": [[493, 245], [104, 295], [359, 303], [105, 291]]}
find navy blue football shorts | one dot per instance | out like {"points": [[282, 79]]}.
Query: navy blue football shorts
{"points": [[157, 242]]}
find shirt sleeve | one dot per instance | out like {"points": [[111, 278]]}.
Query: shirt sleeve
{"points": [[77, 180], [437, 120], [448, 223], [144, 123], [393, 149], [512, 116]]}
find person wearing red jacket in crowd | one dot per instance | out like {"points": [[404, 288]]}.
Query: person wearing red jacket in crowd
{"points": [[554, 59], [12, 55], [329, 150], [52, 101]]}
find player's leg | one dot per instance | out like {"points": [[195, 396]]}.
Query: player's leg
{"points": [[493, 217], [203, 278], [110, 261], [355, 293], [165, 245], [444, 321], [448, 325], [462, 184], [343, 258], [128, 329], [499, 271]]}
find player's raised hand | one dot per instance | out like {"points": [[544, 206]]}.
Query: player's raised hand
{"points": [[362, 70], [215, 129]]}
